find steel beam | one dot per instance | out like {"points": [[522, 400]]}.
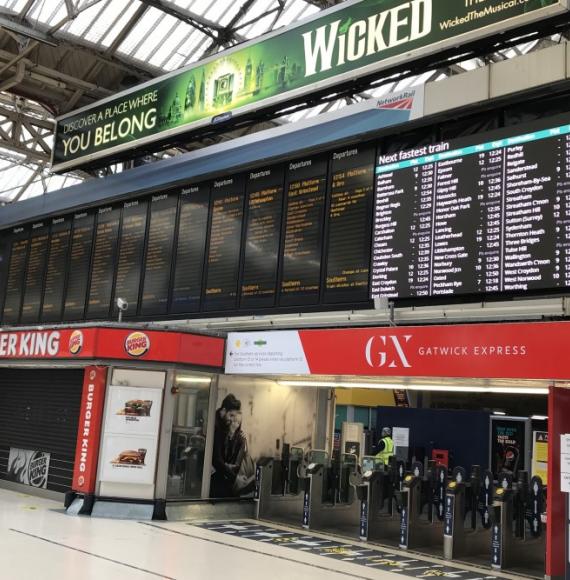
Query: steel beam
{"points": [[207, 27]]}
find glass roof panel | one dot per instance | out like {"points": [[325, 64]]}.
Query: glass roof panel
{"points": [[185, 4], [81, 4], [91, 17], [168, 49], [15, 5], [259, 8], [48, 12], [180, 57], [100, 26], [198, 50], [141, 32], [308, 10], [229, 14], [261, 26], [295, 10], [198, 6], [164, 31], [118, 22], [49, 183], [215, 11]]}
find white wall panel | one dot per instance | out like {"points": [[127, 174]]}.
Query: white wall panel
{"points": [[457, 91], [529, 71]]}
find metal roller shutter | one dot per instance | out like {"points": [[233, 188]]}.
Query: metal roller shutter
{"points": [[39, 410]]}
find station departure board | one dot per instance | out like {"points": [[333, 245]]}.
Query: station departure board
{"points": [[472, 216], [158, 263], [35, 271], [480, 215], [79, 263], [103, 263], [56, 269], [349, 219], [19, 246], [131, 252], [191, 248], [224, 249], [262, 237], [306, 186]]}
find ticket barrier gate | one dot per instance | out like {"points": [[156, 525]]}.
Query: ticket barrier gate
{"points": [[378, 489], [518, 539], [329, 498], [420, 524], [467, 520], [278, 486]]}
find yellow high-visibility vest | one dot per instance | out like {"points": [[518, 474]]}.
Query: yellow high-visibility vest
{"points": [[387, 452]]}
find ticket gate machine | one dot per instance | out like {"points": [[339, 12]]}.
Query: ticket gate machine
{"points": [[518, 541], [329, 498], [378, 490], [278, 487], [420, 526], [468, 537]]}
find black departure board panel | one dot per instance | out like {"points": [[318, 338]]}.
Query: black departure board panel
{"points": [[487, 215], [56, 269], [264, 204], [158, 263], [79, 262], [481, 215], [223, 260], [131, 252], [191, 248], [4, 263], [35, 272], [350, 228], [103, 263], [19, 246], [304, 226]]}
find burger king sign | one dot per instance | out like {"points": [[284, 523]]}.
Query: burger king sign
{"points": [[137, 344]]}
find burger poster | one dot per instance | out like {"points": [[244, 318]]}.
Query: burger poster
{"points": [[133, 410], [128, 459], [132, 423]]}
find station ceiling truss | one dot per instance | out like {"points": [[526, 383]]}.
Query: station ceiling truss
{"points": [[59, 55]]}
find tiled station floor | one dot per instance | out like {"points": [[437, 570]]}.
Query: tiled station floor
{"points": [[39, 541]]}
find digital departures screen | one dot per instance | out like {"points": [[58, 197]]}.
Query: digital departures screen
{"points": [[484, 218]]}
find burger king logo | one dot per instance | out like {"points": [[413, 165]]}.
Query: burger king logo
{"points": [[76, 342], [137, 344]]}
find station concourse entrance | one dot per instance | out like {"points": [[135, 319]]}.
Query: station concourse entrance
{"points": [[494, 505]]}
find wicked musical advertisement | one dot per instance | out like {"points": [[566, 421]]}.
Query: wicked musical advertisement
{"points": [[353, 40]]}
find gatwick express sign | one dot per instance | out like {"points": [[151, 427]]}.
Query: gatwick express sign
{"points": [[508, 350], [354, 39]]}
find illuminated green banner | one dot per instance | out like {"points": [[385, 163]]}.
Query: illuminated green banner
{"points": [[355, 39]]}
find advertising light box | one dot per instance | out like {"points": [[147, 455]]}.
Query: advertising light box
{"points": [[131, 434], [350, 41]]}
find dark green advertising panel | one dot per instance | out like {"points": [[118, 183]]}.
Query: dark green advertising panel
{"points": [[356, 39]]}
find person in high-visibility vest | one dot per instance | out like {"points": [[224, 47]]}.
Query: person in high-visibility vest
{"points": [[385, 447]]}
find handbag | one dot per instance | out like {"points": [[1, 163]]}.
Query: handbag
{"points": [[246, 474]]}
